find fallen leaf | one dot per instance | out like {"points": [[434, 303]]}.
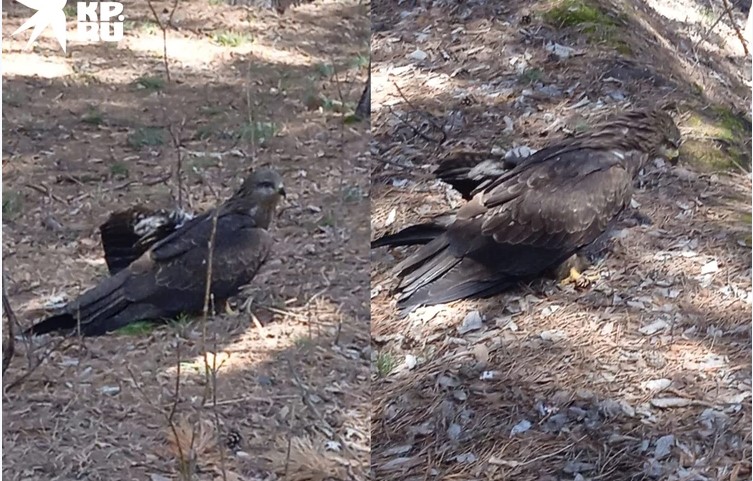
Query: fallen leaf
{"points": [[654, 327], [710, 267], [473, 321], [521, 427], [664, 446], [671, 402]]}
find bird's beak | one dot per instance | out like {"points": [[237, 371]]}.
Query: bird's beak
{"points": [[281, 191], [671, 153]]}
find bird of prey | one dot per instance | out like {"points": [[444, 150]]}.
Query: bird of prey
{"points": [[524, 222], [169, 278]]}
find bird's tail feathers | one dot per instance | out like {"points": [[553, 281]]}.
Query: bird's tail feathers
{"points": [[416, 234], [57, 322], [120, 241], [413, 235]]}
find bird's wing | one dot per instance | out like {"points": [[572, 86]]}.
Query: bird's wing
{"points": [[564, 203], [193, 233], [466, 170], [519, 226], [416, 234], [127, 234]]}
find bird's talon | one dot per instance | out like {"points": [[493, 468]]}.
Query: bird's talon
{"points": [[578, 280], [229, 310]]}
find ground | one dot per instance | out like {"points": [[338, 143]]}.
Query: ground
{"points": [[644, 375], [100, 129]]}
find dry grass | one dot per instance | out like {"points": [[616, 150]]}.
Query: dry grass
{"points": [[644, 375], [91, 135]]}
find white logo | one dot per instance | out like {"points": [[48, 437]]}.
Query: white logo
{"points": [[105, 25], [93, 27], [49, 12]]}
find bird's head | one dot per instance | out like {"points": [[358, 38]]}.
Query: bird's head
{"points": [[260, 193], [669, 145], [264, 185]]}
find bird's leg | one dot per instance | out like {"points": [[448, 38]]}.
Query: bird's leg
{"points": [[246, 307], [225, 307], [578, 279]]}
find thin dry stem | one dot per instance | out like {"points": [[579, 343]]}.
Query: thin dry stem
{"points": [[163, 26], [211, 371]]}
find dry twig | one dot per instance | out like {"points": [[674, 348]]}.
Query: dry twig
{"points": [[178, 143], [163, 26], [727, 11], [424, 115]]}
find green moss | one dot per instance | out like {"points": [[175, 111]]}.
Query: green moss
{"points": [[570, 13], [138, 328], [303, 342], [708, 156], [716, 140], [530, 76], [385, 364], [12, 204], [361, 61], [324, 70], [622, 47], [591, 20], [732, 126], [150, 83], [151, 136], [92, 116], [353, 194], [258, 132], [119, 169], [231, 39]]}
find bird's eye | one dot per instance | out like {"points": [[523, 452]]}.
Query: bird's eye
{"points": [[266, 185]]}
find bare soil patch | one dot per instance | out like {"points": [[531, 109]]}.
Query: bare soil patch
{"points": [[89, 133], [646, 375]]}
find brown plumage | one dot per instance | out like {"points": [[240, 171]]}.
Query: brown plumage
{"points": [[170, 277], [526, 221], [127, 234]]}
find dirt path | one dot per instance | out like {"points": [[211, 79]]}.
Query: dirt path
{"points": [[647, 374], [89, 133]]}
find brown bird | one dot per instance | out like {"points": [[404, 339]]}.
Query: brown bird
{"points": [[169, 278], [524, 222]]}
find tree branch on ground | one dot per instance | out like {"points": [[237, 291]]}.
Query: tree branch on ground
{"points": [[727, 11], [740, 36], [422, 114]]}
